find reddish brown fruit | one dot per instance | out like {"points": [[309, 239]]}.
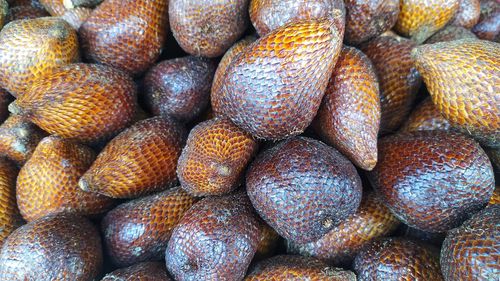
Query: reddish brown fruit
{"points": [[215, 240], [19, 138], [58, 247], [55, 8], [488, 27], [5, 99], [77, 16], [139, 161], [268, 242], [349, 116], [128, 35], [433, 180], [495, 198], [467, 14], [146, 271], [10, 219], [434, 238], [450, 33], [25, 13], [17, 3], [426, 117]]}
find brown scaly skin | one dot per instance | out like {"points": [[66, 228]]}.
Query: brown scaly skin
{"points": [[349, 115], [10, 219], [215, 157], [495, 198], [33, 3], [140, 160], [126, 34], [471, 251], [450, 33], [4, 10], [433, 180], [467, 14], [207, 28], [55, 8], [48, 181], [215, 240], [426, 117], [288, 267], [19, 138], [58, 247], [77, 16], [5, 100], [70, 4], [25, 12], [397, 259], [488, 27], [146, 271], [463, 78], [268, 242], [303, 188], [419, 19], [273, 89], [34, 48]]}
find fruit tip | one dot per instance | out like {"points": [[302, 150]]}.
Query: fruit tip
{"points": [[84, 185], [14, 108]]}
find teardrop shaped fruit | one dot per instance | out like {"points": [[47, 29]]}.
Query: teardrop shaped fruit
{"points": [[471, 251], [4, 10], [215, 157], [419, 19], [151, 219], [349, 115], [140, 160], [450, 33], [467, 14], [30, 49], [61, 247], [10, 219], [426, 117], [207, 28], [126, 34], [25, 13], [399, 79], [5, 100], [145, 271], [84, 102], [48, 182], [463, 78], [433, 180], [268, 242], [303, 188], [488, 27], [274, 88], [215, 240], [19, 138]]}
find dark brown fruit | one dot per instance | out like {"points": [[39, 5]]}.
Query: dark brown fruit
{"points": [[126, 34], [303, 188], [58, 247], [179, 88], [426, 117], [10, 218], [494, 155], [140, 160], [488, 27], [420, 235], [450, 33], [397, 259], [139, 230], [19, 138], [467, 14], [208, 27], [215, 240], [146, 271], [5, 99], [25, 13], [472, 251], [433, 180], [349, 115], [268, 242]]}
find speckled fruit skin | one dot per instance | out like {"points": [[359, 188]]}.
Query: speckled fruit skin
{"points": [[288, 267], [19, 138], [268, 242], [24, 13], [397, 259], [140, 160], [341, 244], [215, 157], [349, 115], [146, 271], [10, 218], [30, 49], [433, 180], [303, 188], [426, 117], [488, 27], [463, 78], [58, 247], [83, 102], [77, 16], [179, 88], [467, 14], [126, 34], [450, 33], [215, 240], [274, 88], [472, 251]]}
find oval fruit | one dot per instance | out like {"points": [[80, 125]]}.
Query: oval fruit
{"points": [[450, 33], [10, 219], [467, 14], [19, 138], [426, 117], [145, 271]]}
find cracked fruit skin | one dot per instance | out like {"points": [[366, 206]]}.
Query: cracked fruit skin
{"points": [[145, 271], [10, 218]]}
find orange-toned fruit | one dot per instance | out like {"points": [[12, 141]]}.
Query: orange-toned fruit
{"points": [[450, 33], [495, 198], [145, 271], [30, 49], [215, 157], [463, 78], [467, 14], [5, 100], [128, 35], [268, 242], [4, 10], [140, 160], [19, 138], [48, 182], [24, 13], [70, 4], [55, 8], [349, 116], [419, 19], [488, 27], [10, 218], [426, 117], [84, 102], [274, 88]]}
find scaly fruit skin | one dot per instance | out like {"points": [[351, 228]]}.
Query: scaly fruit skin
{"points": [[339, 246], [10, 219], [426, 117], [471, 251], [450, 33], [463, 78], [303, 188], [139, 230], [207, 28], [288, 267], [126, 34], [83, 102], [4, 10], [215, 157], [140, 160], [419, 19], [77, 16], [25, 13], [70, 4], [268, 242], [19, 138], [467, 14], [215, 240], [397, 259], [412, 233], [61, 247], [433, 180], [349, 115], [146, 271], [494, 155], [48, 181], [495, 198], [274, 88], [488, 27], [55, 8], [31, 49]]}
